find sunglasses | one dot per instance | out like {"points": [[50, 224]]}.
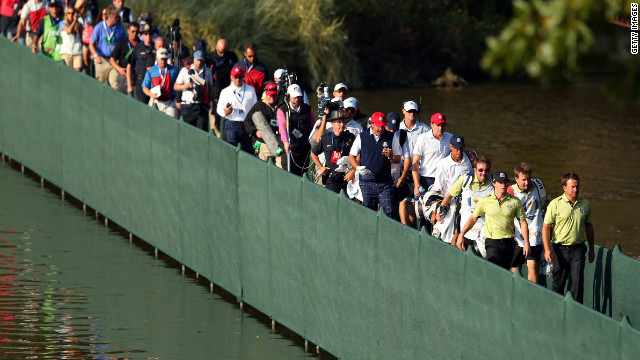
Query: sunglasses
{"points": [[483, 170], [350, 109]]}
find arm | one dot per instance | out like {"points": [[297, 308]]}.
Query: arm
{"points": [[34, 46], [588, 229], [415, 172], [524, 228], [21, 25], [129, 84], [546, 241], [117, 66], [460, 242], [282, 126], [354, 162], [322, 169], [94, 53]]}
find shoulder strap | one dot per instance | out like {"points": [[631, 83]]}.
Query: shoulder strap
{"points": [[467, 181], [541, 190], [403, 137]]}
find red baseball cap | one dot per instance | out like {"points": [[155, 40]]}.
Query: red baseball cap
{"points": [[271, 89], [438, 118], [378, 119], [237, 71]]}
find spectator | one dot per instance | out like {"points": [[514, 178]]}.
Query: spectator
{"points": [[267, 108], [147, 17], [375, 148], [137, 64], [48, 33], [400, 169], [71, 48], [121, 53], [295, 120], [235, 102], [103, 41], [86, 21], [195, 81], [223, 61], [255, 71], [92, 8], [340, 91], [9, 16], [32, 13], [124, 13], [159, 82]]}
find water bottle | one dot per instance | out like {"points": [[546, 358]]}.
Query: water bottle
{"points": [[422, 190]]}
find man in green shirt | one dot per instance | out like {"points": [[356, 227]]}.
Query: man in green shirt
{"points": [[499, 209], [570, 218]]}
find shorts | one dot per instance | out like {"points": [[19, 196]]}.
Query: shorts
{"points": [[535, 252], [72, 61], [402, 193]]}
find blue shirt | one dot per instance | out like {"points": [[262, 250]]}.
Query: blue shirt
{"points": [[105, 38], [412, 135], [166, 79]]}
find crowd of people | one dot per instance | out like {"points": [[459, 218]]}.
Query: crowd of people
{"points": [[414, 172]]}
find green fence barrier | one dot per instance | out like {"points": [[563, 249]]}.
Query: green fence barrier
{"points": [[346, 278]]}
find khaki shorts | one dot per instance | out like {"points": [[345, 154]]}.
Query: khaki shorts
{"points": [[73, 61]]}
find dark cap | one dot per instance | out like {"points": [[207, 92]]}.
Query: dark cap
{"points": [[336, 114], [500, 176], [393, 121], [55, 3], [200, 44], [457, 141]]}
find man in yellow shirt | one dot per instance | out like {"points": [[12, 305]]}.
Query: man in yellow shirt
{"points": [[499, 209], [570, 218]]}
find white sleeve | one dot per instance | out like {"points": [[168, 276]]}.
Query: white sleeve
{"points": [[418, 149], [440, 177], [356, 147], [222, 103], [182, 76], [395, 144]]}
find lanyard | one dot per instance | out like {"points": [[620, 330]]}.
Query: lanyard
{"points": [[162, 76], [332, 148], [236, 95], [109, 36], [249, 67]]}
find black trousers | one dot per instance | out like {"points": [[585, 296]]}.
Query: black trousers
{"points": [[569, 260], [196, 115], [500, 251]]}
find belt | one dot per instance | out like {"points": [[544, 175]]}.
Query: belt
{"points": [[568, 246], [503, 239]]}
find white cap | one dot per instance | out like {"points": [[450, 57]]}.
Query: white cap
{"points": [[351, 102], [294, 90], [162, 53], [340, 86], [410, 105], [278, 73], [339, 101]]}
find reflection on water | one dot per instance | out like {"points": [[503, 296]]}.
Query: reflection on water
{"points": [[72, 289], [557, 129]]}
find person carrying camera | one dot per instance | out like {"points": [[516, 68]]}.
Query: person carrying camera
{"points": [[195, 81], [335, 145]]}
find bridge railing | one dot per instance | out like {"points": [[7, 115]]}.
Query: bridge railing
{"points": [[352, 281]]}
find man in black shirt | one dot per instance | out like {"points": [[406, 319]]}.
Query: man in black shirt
{"points": [[335, 145], [137, 66], [121, 53]]}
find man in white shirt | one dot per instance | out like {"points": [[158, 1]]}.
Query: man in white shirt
{"points": [[234, 103], [452, 167], [429, 149]]}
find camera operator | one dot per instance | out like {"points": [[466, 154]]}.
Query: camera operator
{"points": [[283, 78], [177, 51], [195, 81], [335, 146]]}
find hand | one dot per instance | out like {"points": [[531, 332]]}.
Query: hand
{"points": [[34, 48], [350, 175], [227, 110], [438, 217], [287, 146], [548, 255], [129, 88], [258, 135], [400, 181], [460, 242], [122, 72], [179, 106], [15, 38], [387, 152], [416, 190], [592, 255], [324, 170], [97, 59], [526, 250]]}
